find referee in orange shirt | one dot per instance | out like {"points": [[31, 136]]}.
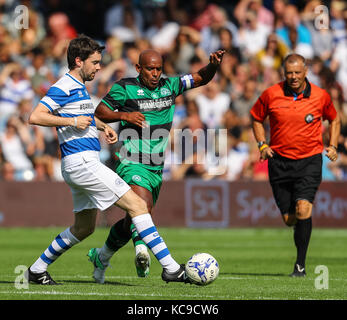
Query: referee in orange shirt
{"points": [[295, 108]]}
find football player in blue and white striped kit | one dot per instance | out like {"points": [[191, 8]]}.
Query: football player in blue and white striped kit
{"points": [[68, 107]]}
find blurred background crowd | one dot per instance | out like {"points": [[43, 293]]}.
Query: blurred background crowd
{"points": [[256, 35]]}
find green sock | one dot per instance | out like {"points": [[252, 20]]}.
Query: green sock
{"points": [[135, 236], [117, 237]]}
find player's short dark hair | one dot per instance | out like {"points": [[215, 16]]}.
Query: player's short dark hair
{"points": [[82, 46]]}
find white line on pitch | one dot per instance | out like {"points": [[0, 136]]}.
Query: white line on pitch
{"points": [[107, 294]]}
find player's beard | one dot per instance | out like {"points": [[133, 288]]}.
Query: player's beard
{"points": [[87, 76]]}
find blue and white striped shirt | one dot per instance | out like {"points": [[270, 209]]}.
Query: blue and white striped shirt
{"points": [[68, 97]]}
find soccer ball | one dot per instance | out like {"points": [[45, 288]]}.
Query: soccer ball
{"points": [[202, 269]]}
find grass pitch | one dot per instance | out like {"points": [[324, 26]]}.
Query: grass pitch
{"points": [[254, 265]]}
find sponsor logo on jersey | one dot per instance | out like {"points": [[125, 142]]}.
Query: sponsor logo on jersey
{"points": [[140, 92], [155, 104], [85, 106]]}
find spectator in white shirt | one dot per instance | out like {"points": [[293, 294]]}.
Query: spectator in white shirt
{"points": [[14, 145], [13, 88], [252, 35], [212, 104]]}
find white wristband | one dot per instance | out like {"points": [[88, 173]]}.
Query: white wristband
{"points": [[75, 119]]}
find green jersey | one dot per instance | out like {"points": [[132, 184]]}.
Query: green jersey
{"points": [[146, 146]]}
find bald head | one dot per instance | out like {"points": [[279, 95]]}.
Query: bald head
{"points": [[150, 68], [147, 56]]}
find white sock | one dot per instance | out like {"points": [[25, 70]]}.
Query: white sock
{"points": [[149, 234], [59, 245]]}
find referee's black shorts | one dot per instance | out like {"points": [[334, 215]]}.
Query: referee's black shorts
{"points": [[293, 180]]}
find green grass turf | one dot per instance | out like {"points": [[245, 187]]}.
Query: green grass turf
{"points": [[254, 265]]}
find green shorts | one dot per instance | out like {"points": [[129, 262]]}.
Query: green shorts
{"points": [[134, 174]]}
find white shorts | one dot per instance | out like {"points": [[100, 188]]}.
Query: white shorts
{"points": [[93, 185]]}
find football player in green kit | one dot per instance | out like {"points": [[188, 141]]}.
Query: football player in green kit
{"points": [[145, 106]]}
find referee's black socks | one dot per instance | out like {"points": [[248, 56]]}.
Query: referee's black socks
{"points": [[302, 235]]}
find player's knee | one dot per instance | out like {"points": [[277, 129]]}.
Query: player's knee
{"points": [[303, 209], [138, 206], [133, 204]]}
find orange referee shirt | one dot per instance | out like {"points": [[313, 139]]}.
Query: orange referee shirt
{"points": [[295, 121]]}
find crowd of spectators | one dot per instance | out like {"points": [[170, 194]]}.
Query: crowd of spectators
{"points": [[256, 35]]}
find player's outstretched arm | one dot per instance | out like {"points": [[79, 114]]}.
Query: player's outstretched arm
{"points": [[205, 74]]}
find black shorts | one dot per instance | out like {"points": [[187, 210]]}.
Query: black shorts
{"points": [[293, 180]]}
